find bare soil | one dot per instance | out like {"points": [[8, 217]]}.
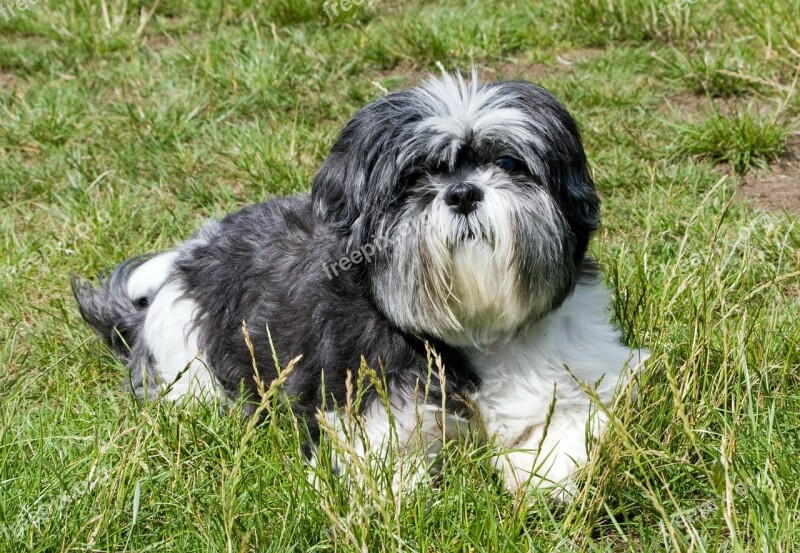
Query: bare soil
{"points": [[777, 188]]}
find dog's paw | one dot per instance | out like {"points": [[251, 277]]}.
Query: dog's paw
{"points": [[525, 472]]}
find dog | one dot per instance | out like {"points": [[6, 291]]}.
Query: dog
{"points": [[452, 218]]}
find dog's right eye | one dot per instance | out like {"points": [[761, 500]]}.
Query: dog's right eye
{"points": [[413, 177], [439, 168], [507, 164]]}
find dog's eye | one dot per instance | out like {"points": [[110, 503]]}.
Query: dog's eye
{"points": [[508, 164], [413, 177], [439, 168]]}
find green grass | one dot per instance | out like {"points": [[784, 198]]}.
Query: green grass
{"points": [[124, 125], [739, 138]]}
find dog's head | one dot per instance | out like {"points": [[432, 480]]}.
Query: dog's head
{"points": [[477, 200]]}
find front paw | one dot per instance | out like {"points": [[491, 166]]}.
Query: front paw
{"points": [[526, 471]]}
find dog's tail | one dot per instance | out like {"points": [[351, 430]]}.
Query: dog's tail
{"points": [[117, 306]]}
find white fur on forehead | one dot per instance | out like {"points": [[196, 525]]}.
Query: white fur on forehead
{"points": [[453, 97], [460, 110]]}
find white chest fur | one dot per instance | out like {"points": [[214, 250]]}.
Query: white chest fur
{"points": [[533, 400]]}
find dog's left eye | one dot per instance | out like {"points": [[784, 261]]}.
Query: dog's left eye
{"points": [[413, 177], [440, 168], [507, 163]]}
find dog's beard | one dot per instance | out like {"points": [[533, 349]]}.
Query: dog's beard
{"points": [[473, 279]]}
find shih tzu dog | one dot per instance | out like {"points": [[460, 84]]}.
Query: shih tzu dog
{"points": [[452, 217]]}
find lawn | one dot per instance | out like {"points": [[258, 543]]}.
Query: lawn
{"points": [[125, 125]]}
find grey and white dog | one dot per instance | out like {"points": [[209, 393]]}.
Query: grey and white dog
{"points": [[471, 207]]}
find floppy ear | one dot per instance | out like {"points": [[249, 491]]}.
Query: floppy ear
{"points": [[578, 194], [358, 180], [334, 189], [582, 205], [567, 168], [571, 178]]}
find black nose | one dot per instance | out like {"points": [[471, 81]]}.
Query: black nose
{"points": [[463, 197]]}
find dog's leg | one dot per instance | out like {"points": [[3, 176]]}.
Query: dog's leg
{"points": [[402, 441], [143, 313], [547, 454], [130, 310], [146, 280], [170, 337]]}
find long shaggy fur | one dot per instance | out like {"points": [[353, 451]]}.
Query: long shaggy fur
{"points": [[109, 308]]}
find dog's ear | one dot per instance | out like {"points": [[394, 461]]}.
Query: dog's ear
{"points": [[576, 189], [358, 180], [339, 187], [582, 207], [566, 169]]}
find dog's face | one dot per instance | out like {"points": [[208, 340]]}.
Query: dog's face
{"points": [[478, 199]]}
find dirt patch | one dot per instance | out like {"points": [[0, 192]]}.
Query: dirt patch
{"points": [[171, 39], [693, 107], [404, 75], [535, 72], [578, 56], [169, 31], [158, 42], [514, 69], [777, 188], [409, 74], [8, 81]]}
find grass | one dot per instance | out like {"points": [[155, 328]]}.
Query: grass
{"points": [[739, 138], [124, 125]]}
